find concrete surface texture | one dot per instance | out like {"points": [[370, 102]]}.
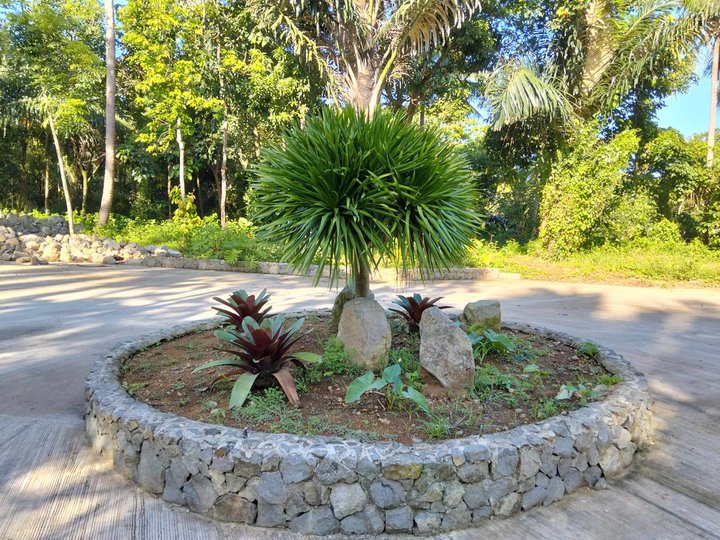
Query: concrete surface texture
{"points": [[56, 320]]}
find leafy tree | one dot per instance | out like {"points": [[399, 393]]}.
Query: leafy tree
{"points": [[360, 190]]}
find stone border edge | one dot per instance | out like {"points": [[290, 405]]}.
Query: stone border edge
{"points": [[322, 485]]}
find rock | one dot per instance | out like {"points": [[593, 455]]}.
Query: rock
{"points": [[272, 489], [485, 313], [556, 491], [369, 521], [401, 472], [534, 497], [346, 499], [445, 351], [365, 333], [320, 521], [399, 519], [427, 522], [35, 261], [232, 507], [200, 495], [150, 471], [109, 259], [529, 462], [504, 461], [270, 515], [572, 480], [508, 505], [457, 518], [295, 468], [387, 493]]}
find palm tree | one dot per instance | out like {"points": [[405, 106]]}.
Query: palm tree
{"points": [[600, 58], [110, 84], [361, 45], [714, 75]]}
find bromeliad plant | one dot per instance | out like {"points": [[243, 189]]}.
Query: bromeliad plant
{"points": [[390, 381], [241, 305], [413, 308], [262, 351]]}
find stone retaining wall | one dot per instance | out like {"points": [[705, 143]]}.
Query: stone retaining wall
{"points": [[321, 485]]}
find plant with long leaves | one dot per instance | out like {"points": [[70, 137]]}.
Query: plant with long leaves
{"points": [[413, 308], [353, 190], [263, 354], [241, 304]]}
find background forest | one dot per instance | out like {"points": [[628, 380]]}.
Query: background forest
{"points": [[553, 103]]}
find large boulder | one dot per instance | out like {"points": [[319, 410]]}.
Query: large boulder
{"points": [[485, 313], [365, 333], [344, 296], [445, 351]]}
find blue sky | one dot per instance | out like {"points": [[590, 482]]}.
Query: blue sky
{"points": [[689, 112]]}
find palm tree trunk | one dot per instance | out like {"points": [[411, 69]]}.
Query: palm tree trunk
{"points": [[47, 187], [63, 179], [223, 174], [181, 147], [110, 84], [361, 277], [84, 174], [714, 75]]}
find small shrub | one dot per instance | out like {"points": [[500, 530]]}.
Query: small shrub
{"points": [[390, 381], [610, 380], [589, 349]]}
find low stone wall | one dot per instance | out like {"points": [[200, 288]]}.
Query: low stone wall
{"points": [[322, 485]]}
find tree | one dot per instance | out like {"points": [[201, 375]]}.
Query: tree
{"points": [[110, 85], [362, 45], [714, 75], [362, 190]]}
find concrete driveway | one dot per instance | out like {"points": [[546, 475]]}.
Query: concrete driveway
{"points": [[56, 320]]}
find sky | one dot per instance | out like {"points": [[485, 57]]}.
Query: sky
{"points": [[689, 112]]}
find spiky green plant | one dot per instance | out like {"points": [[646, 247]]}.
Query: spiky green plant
{"points": [[353, 190], [241, 305], [413, 308], [262, 351]]}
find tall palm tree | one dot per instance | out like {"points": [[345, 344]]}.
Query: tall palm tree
{"points": [[714, 75], [602, 57], [110, 85], [360, 45]]}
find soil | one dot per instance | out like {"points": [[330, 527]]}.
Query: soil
{"points": [[505, 395]]}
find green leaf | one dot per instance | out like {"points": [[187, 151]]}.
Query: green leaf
{"points": [[417, 397], [565, 393], [225, 335], [531, 368], [359, 386], [392, 373], [241, 389], [310, 358], [214, 363]]}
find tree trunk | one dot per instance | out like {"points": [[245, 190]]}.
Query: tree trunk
{"points": [[713, 101], [199, 198], [47, 187], [63, 179], [223, 174], [181, 147], [110, 84], [361, 276], [83, 206], [598, 44]]}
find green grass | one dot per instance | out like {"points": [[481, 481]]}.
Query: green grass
{"points": [[640, 262]]}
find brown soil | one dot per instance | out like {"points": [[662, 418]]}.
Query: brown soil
{"points": [[162, 377]]}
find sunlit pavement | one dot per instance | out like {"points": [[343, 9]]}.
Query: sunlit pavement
{"points": [[56, 320]]}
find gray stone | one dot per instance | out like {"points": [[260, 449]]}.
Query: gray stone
{"points": [[481, 514], [456, 519], [346, 499], [150, 472], [445, 351], [270, 515], [200, 495], [365, 333], [477, 452], [331, 471], [399, 519], [485, 313], [173, 489], [556, 490], [426, 522], [387, 493], [504, 461], [534, 497], [369, 521], [529, 462], [320, 521], [232, 507], [271, 488], [564, 447], [508, 505], [573, 480], [472, 472], [454, 493], [295, 468], [592, 475]]}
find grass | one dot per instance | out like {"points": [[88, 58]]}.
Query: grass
{"points": [[642, 262]]}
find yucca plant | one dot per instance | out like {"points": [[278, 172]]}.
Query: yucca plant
{"points": [[262, 351], [413, 307], [241, 305], [352, 190]]}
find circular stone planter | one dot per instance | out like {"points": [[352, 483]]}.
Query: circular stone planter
{"points": [[321, 485]]}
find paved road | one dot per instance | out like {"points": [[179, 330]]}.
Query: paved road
{"points": [[56, 320]]}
